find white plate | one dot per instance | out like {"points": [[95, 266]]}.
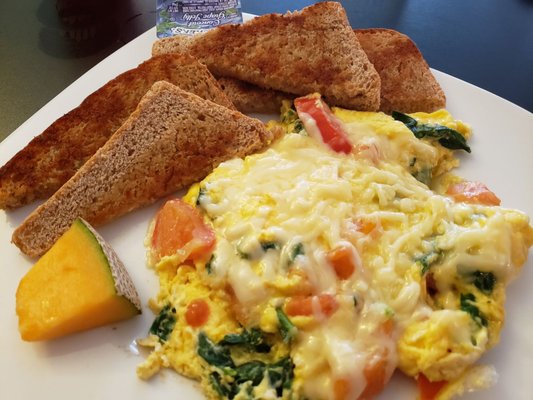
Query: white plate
{"points": [[100, 364]]}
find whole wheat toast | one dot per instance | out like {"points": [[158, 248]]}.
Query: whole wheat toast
{"points": [[407, 84], [249, 98], [312, 50], [173, 139], [52, 157]]}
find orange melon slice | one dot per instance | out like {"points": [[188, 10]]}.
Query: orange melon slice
{"points": [[77, 285]]}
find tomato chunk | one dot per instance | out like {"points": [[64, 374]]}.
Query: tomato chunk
{"points": [[306, 306], [365, 226], [197, 313], [473, 192], [316, 116], [180, 228], [342, 260], [428, 390], [376, 376]]}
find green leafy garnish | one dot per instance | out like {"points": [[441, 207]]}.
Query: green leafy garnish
{"points": [[428, 259], [242, 378], [253, 340], [296, 250], [484, 281], [214, 354], [242, 254], [267, 245], [298, 126], [389, 312], [253, 371], [220, 388], [291, 117], [447, 137], [424, 175], [201, 193], [164, 323], [468, 304], [287, 329], [281, 374], [209, 264]]}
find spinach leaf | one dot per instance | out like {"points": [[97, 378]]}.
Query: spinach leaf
{"points": [[468, 304], [209, 264], [242, 254], [253, 371], [298, 126], [287, 329], [220, 388], [408, 121], [267, 245], [281, 374], [291, 117], [164, 323], [253, 340], [424, 175], [201, 193], [296, 250], [428, 259], [213, 354], [447, 137], [484, 281]]}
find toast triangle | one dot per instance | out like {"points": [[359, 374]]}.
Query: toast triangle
{"points": [[173, 139], [312, 50], [52, 157], [407, 84]]}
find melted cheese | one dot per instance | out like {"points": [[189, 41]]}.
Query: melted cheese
{"points": [[300, 192], [278, 216]]}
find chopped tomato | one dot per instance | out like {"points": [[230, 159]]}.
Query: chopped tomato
{"points": [[316, 116], [197, 313], [342, 260], [376, 376], [180, 228], [387, 327], [429, 390], [473, 192], [307, 306], [365, 226], [341, 389]]}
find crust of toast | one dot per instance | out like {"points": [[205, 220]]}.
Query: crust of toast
{"points": [[407, 84], [173, 139], [249, 98], [312, 50], [51, 158]]}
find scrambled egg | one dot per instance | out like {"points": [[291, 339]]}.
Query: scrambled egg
{"points": [[331, 270]]}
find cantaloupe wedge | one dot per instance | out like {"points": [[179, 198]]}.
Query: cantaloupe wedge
{"points": [[78, 284]]}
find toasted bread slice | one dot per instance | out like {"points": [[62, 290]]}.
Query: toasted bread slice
{"points": [[407, 83], [249, 98], [51, 158], [172, 139], [312, 50]]}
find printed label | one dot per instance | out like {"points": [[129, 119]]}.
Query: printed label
{"points": [[183, 17]]}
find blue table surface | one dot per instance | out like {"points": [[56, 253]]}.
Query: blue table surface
{"points": [[488, 43]]}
